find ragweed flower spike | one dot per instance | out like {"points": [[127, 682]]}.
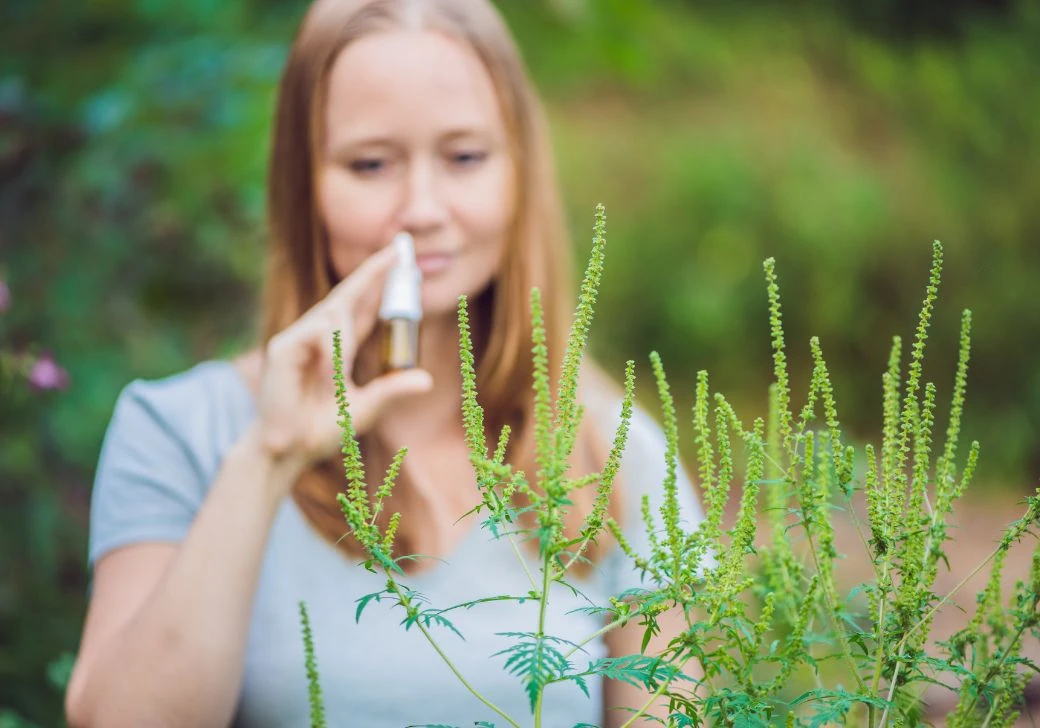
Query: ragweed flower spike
{"points": [[776, 327], [567, 410]]}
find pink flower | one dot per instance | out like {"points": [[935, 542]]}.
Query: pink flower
{"points": [[45, 374], [5, 296]]}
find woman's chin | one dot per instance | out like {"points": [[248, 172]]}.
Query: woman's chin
{"points": [[440, 306], [441, 298]]}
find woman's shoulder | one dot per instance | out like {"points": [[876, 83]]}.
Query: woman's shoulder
{"points": [[206, 387], [205, 376], [207, 402], [163, 446]]}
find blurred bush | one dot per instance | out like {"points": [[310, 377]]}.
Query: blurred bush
{"points": [[133, 140], [720, 137]]}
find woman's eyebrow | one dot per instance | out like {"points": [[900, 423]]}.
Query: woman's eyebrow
{"points": [[348, 145], [468, 133], [344, 147]]}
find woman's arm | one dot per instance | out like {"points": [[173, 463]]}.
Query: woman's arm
{"points": [[165, 637], [628, 640], [166, 630]]}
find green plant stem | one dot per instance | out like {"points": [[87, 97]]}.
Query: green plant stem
{"points": [[447, 660], [809, 649], [603, 630], [832, 610], [989, 715], [522, 560], [946, 598], [704, 668], [891, 691], [541, 631], [576, 555], [880, 577], [879, 662]]}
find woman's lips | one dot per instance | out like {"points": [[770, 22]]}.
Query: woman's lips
{"points": [[433, 263]]}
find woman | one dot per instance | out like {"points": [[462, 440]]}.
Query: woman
{"points": [[214, 507]]}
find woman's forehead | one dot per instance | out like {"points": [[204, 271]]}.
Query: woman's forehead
{"points": [[410, 78]]}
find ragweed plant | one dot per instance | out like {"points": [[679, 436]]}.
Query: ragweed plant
{"points": [[771, 636]]}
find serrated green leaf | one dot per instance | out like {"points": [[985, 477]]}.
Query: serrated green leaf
{"points": [[366, 600]]}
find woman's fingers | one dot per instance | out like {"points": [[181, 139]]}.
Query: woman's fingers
{"points": [[297, 386], [309, 340], [351, 305], [363, 279]]}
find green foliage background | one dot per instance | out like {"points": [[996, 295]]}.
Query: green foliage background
{"points": [[133, 139]]}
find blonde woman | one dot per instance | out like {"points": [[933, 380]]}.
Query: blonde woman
{"points": [[214, 510]]}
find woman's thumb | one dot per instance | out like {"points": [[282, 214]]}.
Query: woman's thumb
{"points": [[409, 382], [367, 402]]}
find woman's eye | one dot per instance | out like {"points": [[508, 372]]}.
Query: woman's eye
{"points": [[468, 158], [367, 166]]}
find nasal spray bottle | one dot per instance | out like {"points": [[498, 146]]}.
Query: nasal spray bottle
{"points": [[401, 308]]}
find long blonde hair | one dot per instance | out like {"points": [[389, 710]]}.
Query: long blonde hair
{"points": [[536, 255]]}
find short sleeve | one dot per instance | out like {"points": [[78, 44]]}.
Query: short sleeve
{"points": [[643, 472], [148, 485]]}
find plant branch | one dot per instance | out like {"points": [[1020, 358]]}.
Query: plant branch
{"points": [[928, 615], [543, 601], [522, 560], [447, 660], [599, 632], [832, 610]]}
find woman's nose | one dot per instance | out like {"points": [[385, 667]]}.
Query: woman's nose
{"points": [[423, 207]]}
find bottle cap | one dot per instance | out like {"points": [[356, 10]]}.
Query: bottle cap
{"points": [[402, 295]]}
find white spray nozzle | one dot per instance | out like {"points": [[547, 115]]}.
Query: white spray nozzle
{"points": [[402, 296], [405, 247]]}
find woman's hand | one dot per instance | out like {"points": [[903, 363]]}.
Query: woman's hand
{"points": [[297, 412]]}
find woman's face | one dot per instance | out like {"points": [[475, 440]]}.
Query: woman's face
{"points": [[414, 140]]}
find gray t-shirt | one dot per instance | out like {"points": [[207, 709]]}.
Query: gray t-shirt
{"points": [[163, 449]]}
